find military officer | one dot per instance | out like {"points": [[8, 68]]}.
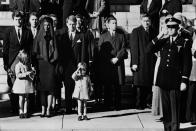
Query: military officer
{"points": [[173, 72]]}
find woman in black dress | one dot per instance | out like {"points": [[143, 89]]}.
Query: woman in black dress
{"points": [[46, 54]]}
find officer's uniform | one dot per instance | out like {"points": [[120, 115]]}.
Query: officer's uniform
{"points": [[174, 69]]}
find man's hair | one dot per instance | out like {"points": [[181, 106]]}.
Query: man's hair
{"points": [[71, 18], [144, 15], [33, 14], [110, 17], [53, 15], [17, 14]]}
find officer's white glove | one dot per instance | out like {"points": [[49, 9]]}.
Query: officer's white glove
{"points": [[134, 67]]}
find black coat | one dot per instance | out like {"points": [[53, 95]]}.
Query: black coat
{"points": [[172, 6], [153, 12], [110, 47], [12, 46], [140, 39], [176, 62], [71, 52]]}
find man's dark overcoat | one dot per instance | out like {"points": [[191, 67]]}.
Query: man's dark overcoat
{"points": [[12, 46], [110, 47], [145, 60]]}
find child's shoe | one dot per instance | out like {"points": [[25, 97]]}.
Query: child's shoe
{"points": [[79, 118], [21, 116], [85, 117], [26, 115]]}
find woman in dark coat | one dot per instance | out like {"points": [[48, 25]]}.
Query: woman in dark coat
{"points": [[46, 54]]}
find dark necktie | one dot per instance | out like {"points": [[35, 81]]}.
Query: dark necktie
{"points": [[19, 35], [70, 36]]}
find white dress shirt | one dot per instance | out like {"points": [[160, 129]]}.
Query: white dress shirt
{"points": [[18, 30]]}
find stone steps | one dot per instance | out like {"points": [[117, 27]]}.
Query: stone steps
{"points": [[128, 15]]}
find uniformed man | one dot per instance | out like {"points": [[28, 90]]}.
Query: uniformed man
{"points": [[174, 71]]}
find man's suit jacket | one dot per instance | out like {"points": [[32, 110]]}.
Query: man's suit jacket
{"points": [[153, 12], [145, 61], [71, 52], [172, 6], [12, 46], [110, 47]]}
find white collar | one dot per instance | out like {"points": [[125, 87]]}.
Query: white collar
{"points": [[174, 38], [18, 28], [74, 32], [34, 29], [112, 32]]}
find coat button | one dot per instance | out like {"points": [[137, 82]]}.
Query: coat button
{"points": [[167, 60]]}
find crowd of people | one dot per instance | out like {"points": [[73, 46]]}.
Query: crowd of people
{"points": [[86, 56]]}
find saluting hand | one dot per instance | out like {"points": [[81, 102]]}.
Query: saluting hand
{"points": [[161, 34], [182, 87], [134, 67], [114, 60]]}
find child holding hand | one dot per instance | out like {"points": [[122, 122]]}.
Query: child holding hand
{"points": [[23, 84]]}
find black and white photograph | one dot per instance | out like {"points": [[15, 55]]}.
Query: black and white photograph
{"points": [[98, 65]]}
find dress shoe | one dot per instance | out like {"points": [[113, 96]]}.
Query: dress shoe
{"points": [[26, 115], [85, 118], [42, 115], [140, 108], [79, 118], [193, 123], [49, 115], [21, 116]]}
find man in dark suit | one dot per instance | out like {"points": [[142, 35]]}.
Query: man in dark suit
{"points": [[174, 70], [112, 53], [34, 101], [142, 63], [152, 8], [16, 39], [71, 52]]}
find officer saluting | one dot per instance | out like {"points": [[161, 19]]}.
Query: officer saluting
{"points": [[173, 72]]}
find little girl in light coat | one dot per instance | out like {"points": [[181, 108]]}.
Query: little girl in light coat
{"points": [[23, 84], [82, 90]]}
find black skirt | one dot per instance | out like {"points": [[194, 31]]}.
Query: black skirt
{"points": [[47, 76]]}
